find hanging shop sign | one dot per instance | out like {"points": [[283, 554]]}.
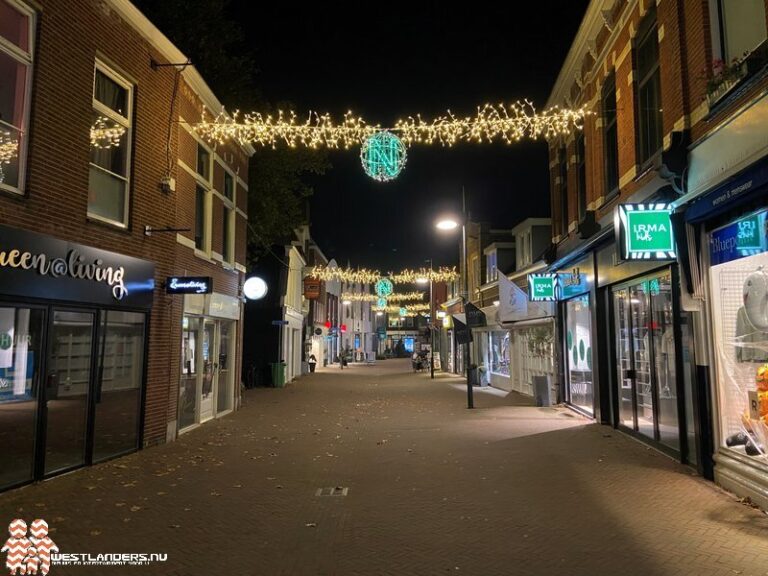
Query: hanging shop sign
{"points": [[746, 236], [475, 316], [462, 331], [542, 287], [312, 288], [189, 285], [645, 232], [38, 266]]}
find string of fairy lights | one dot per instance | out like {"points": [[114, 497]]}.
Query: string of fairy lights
{"points": [[491, 122], [9, 149], [104, 134], [364, 297], [366, 276]]}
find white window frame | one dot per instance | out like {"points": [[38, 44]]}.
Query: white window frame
{"points": [[207, 185], [231, 207], [124, 121], [26, 58], [718, 42]]}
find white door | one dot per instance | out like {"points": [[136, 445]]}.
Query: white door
{"points": [[210, 355]]}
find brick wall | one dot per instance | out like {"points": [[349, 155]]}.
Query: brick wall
{"points": [[56, 192], [685, 63]]}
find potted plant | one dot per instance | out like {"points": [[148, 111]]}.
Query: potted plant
{"points": [[724, 78]]}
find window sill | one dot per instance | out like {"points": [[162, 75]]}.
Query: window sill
{"points": [[204, 256], [109, 224], [737, 91], [11, 192]]}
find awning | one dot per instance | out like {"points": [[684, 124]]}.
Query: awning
{"points": [[748, 184], [529, 323]]}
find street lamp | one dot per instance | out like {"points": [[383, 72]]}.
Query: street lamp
{"points": [[447, 224]]}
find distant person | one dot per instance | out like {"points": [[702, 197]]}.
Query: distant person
{"points": [[312, 362]]}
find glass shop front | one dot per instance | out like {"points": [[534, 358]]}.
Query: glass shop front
{"points": [[73, 326]]}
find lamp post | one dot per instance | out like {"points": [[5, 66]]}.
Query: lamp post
{"points": [[431, 322], [451, 224]]}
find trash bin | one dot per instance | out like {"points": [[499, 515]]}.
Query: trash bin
{"points": [[278, 374], [542, 391]]}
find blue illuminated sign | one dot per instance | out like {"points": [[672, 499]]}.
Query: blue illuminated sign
{"points": [[744, 237]]}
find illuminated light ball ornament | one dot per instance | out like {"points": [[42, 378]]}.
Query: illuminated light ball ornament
{"points": [[381, 303], [383, 156], [384, 287], [255, 288], [403, 311]]}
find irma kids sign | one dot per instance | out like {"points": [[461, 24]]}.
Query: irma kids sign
{"points": [[33, 265], [645, 232]]}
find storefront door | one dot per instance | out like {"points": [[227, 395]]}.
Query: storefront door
{"points": [[67, 389], [646, 392], [21, 352], [578, 354], [225, 373], [209, 370]]}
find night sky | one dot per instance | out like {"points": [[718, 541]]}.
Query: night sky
{"points": [[391, 60]]}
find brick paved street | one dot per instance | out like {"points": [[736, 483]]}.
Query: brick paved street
{"points": [[432, 489]]}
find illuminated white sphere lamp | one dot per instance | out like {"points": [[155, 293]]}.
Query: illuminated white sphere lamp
{"points": [[255, 288]]}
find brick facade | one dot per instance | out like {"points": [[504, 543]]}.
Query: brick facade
{"points": [[55, 197], [685, 64]]}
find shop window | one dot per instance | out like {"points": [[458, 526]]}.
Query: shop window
{"points": [[610, 138], [562, 164], [188, 387], [118, 394], [110, 136], [741, 27], [499, 353], [578, 353], [16, 26], [648, 103], [739, 288], [21, 350], [581, 170]]}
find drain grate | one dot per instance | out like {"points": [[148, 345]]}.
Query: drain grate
{"points": [[333, 491]]}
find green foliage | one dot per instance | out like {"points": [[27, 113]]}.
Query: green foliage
{"points": [[215, 42], [278, 195]]}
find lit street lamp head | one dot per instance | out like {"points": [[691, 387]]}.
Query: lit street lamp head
{"points": [[446, 224], [422, 280]]}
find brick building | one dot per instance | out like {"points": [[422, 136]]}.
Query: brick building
{"points": [[105, 195], [654, 333]]}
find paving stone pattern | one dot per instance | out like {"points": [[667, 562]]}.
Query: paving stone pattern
{"points": [[432, 489]]}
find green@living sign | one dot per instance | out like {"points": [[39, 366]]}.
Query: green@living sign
{"points": [[645, 232]]}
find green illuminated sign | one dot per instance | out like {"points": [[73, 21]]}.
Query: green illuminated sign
{"points": [[383, 156], [384, 287], [542, 287], [646, 232]]}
